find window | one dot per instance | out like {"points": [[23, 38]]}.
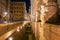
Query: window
{"points": [[11, 7], [22, 11], [11, 11], [17, 7], [19, 11], [14, 11]]}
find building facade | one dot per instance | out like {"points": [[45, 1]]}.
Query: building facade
{"points": [[36, 7], [3, 8], [43, 10], [17, 10]]}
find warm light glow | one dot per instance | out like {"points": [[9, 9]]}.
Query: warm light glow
{"points": [[36, 15], [10, 38], [5, 13], [42, 12], [46, 9], [21, 27], [9, 33], [42, 16], [42, 9], [18, 29], [24, 23]]}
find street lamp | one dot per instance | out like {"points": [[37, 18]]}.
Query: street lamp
{"points": [[18, 29], [10, 38], [5, 13], [5, 16]]}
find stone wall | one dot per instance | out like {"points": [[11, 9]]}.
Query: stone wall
{"points": [[48, 32], [52, 32]]}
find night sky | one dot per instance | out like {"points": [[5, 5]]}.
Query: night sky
{"points": [[27, 3]]}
